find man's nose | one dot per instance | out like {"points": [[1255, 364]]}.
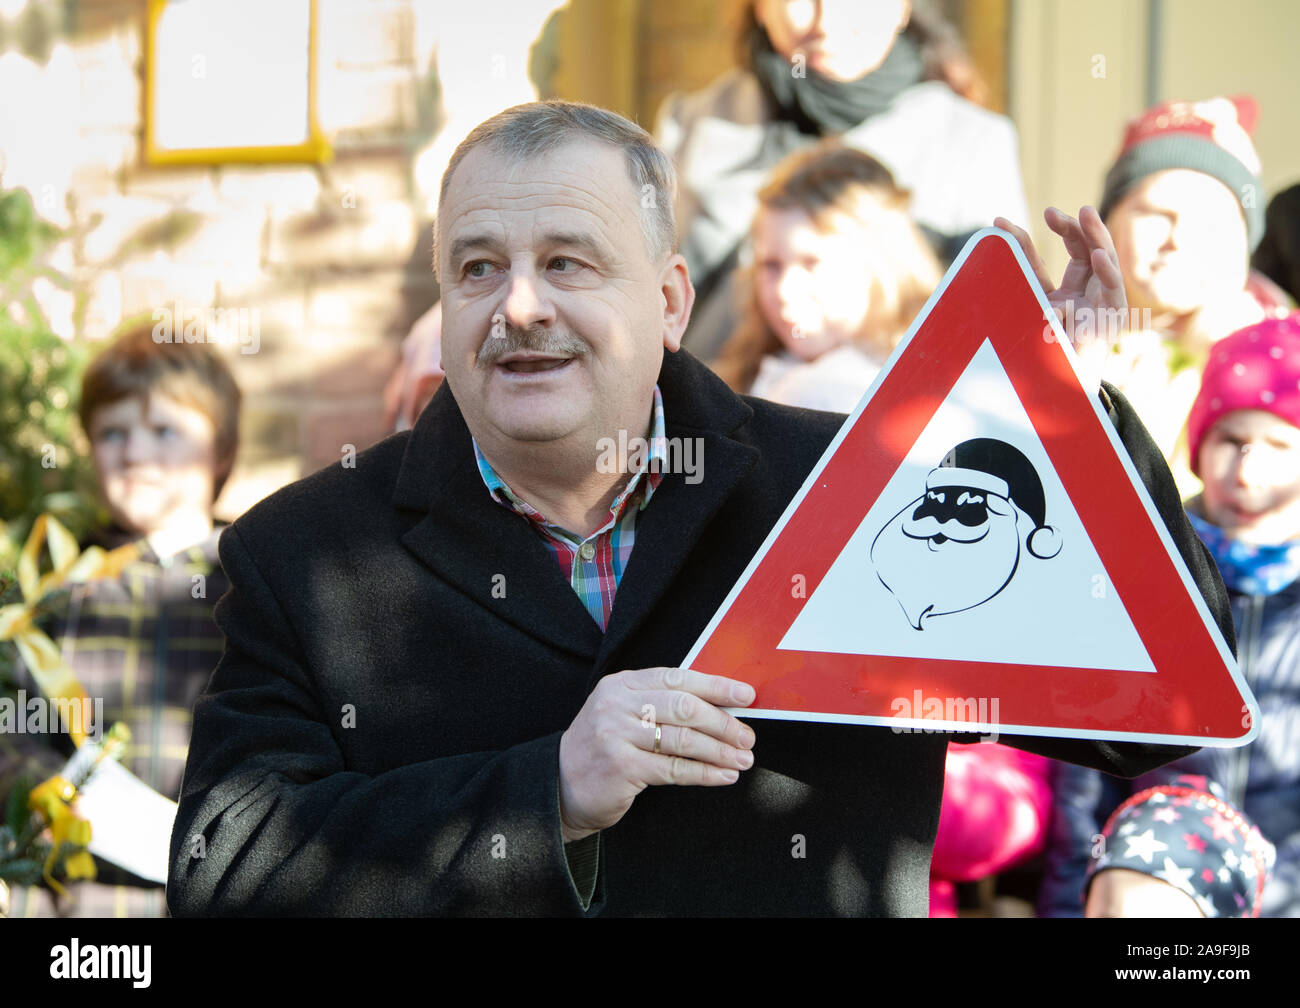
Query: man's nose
{"points": [[527, 300]]}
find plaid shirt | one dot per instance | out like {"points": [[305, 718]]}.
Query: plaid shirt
{"points": [[145, 643], [594, 565]]}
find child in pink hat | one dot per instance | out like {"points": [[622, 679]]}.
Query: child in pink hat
{"points": [[1244, 436]]}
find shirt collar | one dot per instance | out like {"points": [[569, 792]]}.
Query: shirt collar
{"points": [[654, 463]]}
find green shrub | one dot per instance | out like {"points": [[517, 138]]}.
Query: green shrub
{"points": [[44, 460]]}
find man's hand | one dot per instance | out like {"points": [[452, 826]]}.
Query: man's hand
{"points": [[607, 757], [1090, 302]]}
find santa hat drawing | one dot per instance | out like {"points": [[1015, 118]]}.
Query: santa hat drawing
{"points": [[997, 467]]}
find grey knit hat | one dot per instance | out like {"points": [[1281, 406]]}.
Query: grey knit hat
{"points": [[1212, 137]]}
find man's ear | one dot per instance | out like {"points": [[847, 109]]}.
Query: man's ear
{"points": [[678, 299]]}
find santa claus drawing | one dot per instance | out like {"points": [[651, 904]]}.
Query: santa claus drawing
{"points": [[958, 545]]}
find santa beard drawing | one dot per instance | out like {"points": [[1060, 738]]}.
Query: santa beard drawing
{"points": [[958, 545]]}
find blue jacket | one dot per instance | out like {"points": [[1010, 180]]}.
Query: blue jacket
{"points": [[1262, 779]]}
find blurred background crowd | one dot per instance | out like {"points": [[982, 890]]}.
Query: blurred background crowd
{"points": [[194, 314]]}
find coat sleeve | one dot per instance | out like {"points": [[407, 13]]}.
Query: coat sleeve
{"points": [[271, 820], [1132, 759]]}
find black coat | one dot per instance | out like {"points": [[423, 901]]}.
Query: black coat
{"points": [[382, 733]]}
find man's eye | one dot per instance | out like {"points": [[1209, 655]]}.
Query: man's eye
{"points": [[559, 262], [478, 269]]}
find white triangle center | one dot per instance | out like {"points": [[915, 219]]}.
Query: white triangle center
{"points": [[1058, 611]]}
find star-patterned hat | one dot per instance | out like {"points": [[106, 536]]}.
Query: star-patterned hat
{"points": [[1186, 834]]}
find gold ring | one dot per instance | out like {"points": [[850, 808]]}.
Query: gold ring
{"points": [[659, 735]]}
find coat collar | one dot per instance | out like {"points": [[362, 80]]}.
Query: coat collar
{"points": [[467, 539]]}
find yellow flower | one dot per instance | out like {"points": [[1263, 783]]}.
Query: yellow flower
{"points": [[50, 800], [80, 865], [17, 620]]}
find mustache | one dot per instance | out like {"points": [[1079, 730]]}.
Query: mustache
{"points": [[507, 339], [928, 527]]}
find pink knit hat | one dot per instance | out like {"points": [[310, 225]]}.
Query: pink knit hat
{"points": [[1255, 368]]}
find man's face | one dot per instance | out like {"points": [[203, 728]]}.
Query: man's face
{"points": [[155, 459], [811, 285], [1250, 465], [1181, 240], [554, 316]]}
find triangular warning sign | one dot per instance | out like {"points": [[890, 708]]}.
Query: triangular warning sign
{"points": [[976, 552]]}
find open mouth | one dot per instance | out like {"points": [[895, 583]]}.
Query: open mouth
{"points": [[532, 365]]}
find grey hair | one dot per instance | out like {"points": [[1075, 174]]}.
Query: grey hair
{"points": [[526, 131]]}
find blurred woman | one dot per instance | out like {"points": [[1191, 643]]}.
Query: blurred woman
{"points": [[839, 273]]}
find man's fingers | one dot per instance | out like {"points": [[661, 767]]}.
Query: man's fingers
{"points": [[1076, 242], [1027, 246], [1112, 280], [685, 772], [678, 740], [1095, 230], [717, 690], [681, 709], [690, 758], [643, 727], [1104, 258]]}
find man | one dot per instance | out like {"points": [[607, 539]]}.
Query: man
{"points": [[449, 683]]}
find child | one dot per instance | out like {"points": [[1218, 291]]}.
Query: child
{"points": [[162, 419], [839, 273], [1183, 202], [1244, 434]]}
